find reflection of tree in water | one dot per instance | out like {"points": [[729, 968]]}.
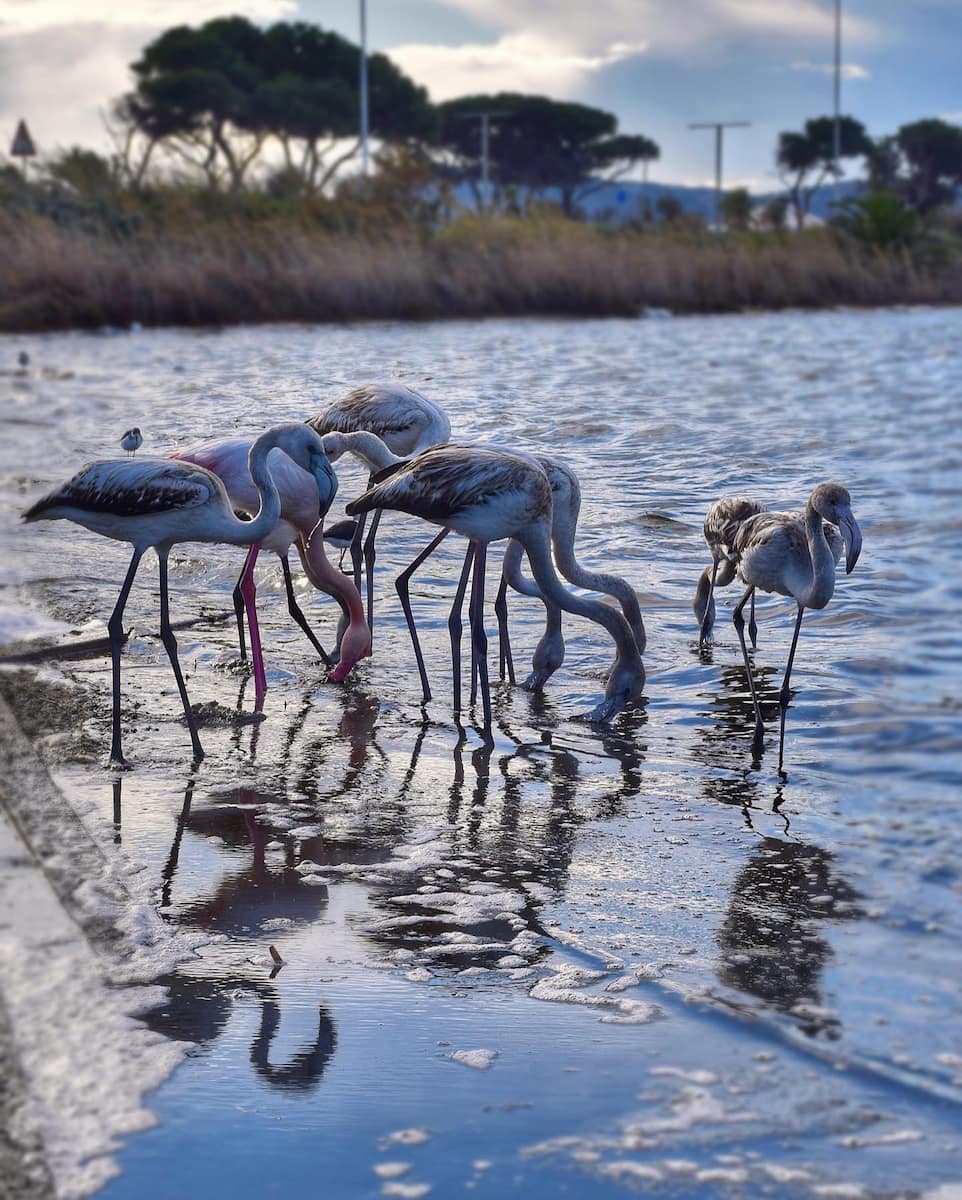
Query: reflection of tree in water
{"points": [[770, 941]]}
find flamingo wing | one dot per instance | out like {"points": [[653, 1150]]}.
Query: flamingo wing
{"points": [[131, 487]]}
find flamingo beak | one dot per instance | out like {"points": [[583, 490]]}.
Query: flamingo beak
{"points": [[326, 480], [853, 539]]}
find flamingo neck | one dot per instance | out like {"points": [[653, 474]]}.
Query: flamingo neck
{"points": [[564, 523], [511, 569], [370, 449], [822, 584], [327, 578], [250, 533], [536, 540]]}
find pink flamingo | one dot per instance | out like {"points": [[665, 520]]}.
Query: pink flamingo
{"points": [[159, 502], [227, 458], [406, 422]]}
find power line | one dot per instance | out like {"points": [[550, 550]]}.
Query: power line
{"points": [[719, 128]]}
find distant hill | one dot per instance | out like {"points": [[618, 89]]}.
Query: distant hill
{"points": [[624, 201]]}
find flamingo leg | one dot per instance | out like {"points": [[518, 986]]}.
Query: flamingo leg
{"points": [[297, 613], [238, 597], [505, 659], [401, 586], [739, 623], [248, 590], [784, 695], [356, 549], [170, 645], [370, 555], [115, 631], [752, 627], [455, 626], [703, 633], [479, 639]]}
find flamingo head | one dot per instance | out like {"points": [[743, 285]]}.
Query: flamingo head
{"points": [[834, 504], [625, 684], [548, 657], [355, 645]]}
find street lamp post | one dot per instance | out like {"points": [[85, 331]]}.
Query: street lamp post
{"points": [[719, 128], [837, 131], [365, 158]]}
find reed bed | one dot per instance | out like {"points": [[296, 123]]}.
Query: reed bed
{"points": [[54, 278]]}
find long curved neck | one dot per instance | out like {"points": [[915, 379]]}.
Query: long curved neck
{"points": [[327, 578], [564, 523], [249, 533], [369, 448], [535, 539], [823, 562], [511, 568]]}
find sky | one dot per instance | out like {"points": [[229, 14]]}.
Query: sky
{"points": [[658, 65]]}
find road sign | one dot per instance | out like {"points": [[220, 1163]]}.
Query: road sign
{"points": [[23, 146]]}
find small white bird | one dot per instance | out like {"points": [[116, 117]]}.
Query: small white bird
{"points": [[132, 441]]}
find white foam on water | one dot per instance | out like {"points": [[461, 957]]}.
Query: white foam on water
{"points": [[480, 1060], [406, 1191], [391, 1170], [415, 1136]]}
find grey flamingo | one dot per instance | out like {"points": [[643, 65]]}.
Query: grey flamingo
{"points": [[566, 507], [488, 494], [160, 502], [721, 525], [790, 553], [406, 422]]}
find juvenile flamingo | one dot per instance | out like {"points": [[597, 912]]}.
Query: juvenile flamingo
{"points": [[486, 495], [789, 553], [227, 458], [161, 502], [406, 422], [721, 525], [566, 507]]}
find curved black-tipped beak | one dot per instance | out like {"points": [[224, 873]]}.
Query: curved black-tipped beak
{"points": [[326, 478], [853, 540]]}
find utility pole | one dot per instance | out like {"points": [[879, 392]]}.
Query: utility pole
{"points": [[719, 128], [363, 89], [485, 118], [837, 132]]}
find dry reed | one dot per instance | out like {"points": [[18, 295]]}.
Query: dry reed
{"points": [[51, 278]]}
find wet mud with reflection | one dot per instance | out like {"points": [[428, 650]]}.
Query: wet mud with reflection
{"points": [[695, 974]]}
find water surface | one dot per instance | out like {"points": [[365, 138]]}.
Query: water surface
{"points": [[694, 973]]}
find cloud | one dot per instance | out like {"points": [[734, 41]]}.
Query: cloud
{"points": [[681, 27], [848, 70], [24, 16], [515, 62], [954, 117]]}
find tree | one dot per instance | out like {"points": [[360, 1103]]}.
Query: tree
{"points": [[215, 94], [932, 150], [880, 219], [736, 208], [538, 143], [807, 158]]}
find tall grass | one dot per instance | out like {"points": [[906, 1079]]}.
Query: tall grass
{"points": [[52, 278]]}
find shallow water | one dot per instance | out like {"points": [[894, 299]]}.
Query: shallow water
{"points": [[695, 974]]}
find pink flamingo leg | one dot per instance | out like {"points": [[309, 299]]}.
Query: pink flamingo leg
{"points": [[248, 590]]}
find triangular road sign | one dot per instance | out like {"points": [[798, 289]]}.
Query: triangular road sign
{"points": [[23, 146]]}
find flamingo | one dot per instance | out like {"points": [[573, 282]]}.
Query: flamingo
{"points": [[566, 507], [158, 502], [228, 458], [487, 494], [131, 441], [721, 525], [790, 553], [406, 422]]}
